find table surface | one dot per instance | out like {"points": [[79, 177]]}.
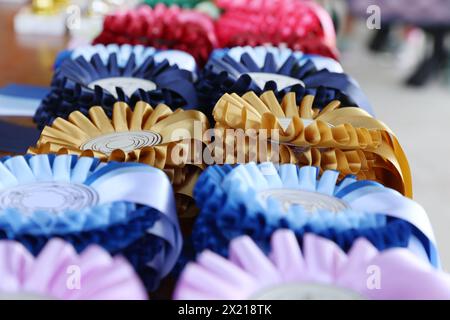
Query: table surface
{"points": [[25, 59]]}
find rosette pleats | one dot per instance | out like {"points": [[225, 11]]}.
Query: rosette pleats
{"points": [[347, 139]]}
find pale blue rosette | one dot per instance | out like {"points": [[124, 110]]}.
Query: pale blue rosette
{"points": [[258, 199], [127, 208]]}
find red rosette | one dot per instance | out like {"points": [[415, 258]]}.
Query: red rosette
{"points": [[300, 25], [162, 27]]}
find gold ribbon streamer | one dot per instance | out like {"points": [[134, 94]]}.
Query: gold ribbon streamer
{"points": [[345, 139]]}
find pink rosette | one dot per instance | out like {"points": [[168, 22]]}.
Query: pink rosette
{"points": [[318, 270], [162, 27], [58, 272], [301, 25]]}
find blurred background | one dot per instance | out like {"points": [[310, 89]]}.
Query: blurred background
{"points": [[398, 51]]}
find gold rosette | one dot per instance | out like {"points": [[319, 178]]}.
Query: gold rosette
{"points": [[166, 139], [347, 139]]}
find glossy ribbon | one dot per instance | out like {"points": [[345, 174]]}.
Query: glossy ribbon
{"points": [[181, 59], [46, 276], [317, 269], [238, 70], [75, 86], [312, 134], [162, 27], [132, 204], [302, 26], [231, 203]]}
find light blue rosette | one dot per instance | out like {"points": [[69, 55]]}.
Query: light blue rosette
{"points": [[258, 199], [126, 208]]}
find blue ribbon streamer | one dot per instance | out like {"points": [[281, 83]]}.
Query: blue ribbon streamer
{"points": [[16, 138]]}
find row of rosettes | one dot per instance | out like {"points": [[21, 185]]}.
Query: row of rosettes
{"points": [[287, 232], [247, 128], [333, 232], [102, 75], [301, 26]]}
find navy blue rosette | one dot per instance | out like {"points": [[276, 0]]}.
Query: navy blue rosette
{"points": [[126, 208], [183, 59], [242, 69], [80, 84], [256, 200]]}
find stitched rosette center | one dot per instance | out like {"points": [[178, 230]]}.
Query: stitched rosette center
{"points": [[49, 196]]}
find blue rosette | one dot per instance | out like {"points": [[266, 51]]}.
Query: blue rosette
{"points": [[80, 84], [127, 208], [256, 200], [242, 69], [123, 52]]}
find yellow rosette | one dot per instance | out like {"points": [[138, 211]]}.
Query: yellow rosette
{"points": [[347, 139], [166, 139]]}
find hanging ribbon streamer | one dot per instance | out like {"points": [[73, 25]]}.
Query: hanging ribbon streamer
{"points": [[301, 26], [126, 208], [318, 269], [257, 199], [20, 99], [80, 84], [15, 138], [345, 139], [243, 69], [162, 27], [158, 137], [96, 275], [181, 59]]}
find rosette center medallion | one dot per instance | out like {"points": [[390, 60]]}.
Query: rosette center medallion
{"points": [[311, 202], [126, 141], [306, 291], [49, 196], [128, 84]]}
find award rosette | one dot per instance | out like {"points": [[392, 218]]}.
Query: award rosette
{"points": [[346, 139], [123, 52], [313, 270], [242, 69], [280, 55], [126, 208], [302, 26], [59, 272], [162, 27], [258, 199], [158, 137], [79, 84]]}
